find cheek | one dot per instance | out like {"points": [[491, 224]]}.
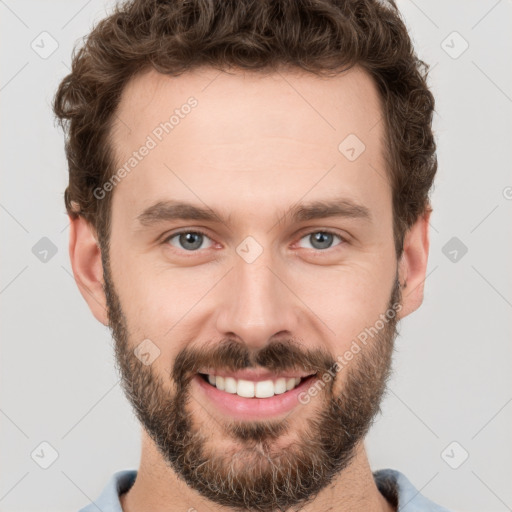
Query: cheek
{"points": [[347, 299], [353, 309], [163, 304]]}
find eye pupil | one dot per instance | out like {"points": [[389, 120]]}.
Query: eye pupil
{"points": [[191, 238], [323, 239]]}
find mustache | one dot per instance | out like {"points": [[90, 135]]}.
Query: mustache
{"points": [[232, 355]]}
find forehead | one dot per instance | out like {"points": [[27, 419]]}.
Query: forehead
{"points": [[233, 99], [267, 137]]}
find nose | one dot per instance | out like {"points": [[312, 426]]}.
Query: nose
{"points": [[257, 303]]}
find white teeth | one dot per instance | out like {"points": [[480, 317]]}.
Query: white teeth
{"points": [[290, 384], [230, 385], [245, 388], [250, 389], [264, 389], [280, 386], [219, 382]]}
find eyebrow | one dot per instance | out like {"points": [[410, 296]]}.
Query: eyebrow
{"points": [[169, 210]]}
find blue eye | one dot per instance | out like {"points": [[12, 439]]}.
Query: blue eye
{"points": [[193, 241], [322, 240], [188, 240]]}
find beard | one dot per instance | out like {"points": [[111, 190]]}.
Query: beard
{"points": [[260, 473]]}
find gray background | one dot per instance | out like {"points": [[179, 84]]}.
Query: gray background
{"points": [[452, 380]]}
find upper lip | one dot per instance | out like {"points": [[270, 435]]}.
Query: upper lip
{"points": [[257, 375]]}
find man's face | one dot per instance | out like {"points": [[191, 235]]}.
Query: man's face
{"points": [[262, 291]]}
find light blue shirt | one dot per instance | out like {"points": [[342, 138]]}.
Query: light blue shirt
{"points": [[391, 483]]}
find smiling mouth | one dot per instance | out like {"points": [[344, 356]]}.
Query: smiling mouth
{"points": [[254, 388]]}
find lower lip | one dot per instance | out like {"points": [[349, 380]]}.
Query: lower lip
{"points": [[252, 408]]}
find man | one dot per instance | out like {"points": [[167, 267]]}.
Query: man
{"points": [[249, 212]]}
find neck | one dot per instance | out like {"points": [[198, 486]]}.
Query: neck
{"points": [[158, 488]]}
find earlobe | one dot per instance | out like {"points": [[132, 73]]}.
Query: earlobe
{"points": [[85, 256], [413, 264]]}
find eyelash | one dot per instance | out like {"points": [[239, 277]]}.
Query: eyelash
{"points": [[200, 232]]}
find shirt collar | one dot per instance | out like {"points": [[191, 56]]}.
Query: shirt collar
{"points": [[392, 484]]}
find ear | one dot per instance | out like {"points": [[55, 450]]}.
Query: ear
{"points": [[85, 256], [413, 264]]}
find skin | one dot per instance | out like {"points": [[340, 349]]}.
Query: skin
{"points": [[253, 147]]}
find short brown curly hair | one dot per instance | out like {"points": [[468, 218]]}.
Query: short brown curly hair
{"points": [[323, 37]]}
